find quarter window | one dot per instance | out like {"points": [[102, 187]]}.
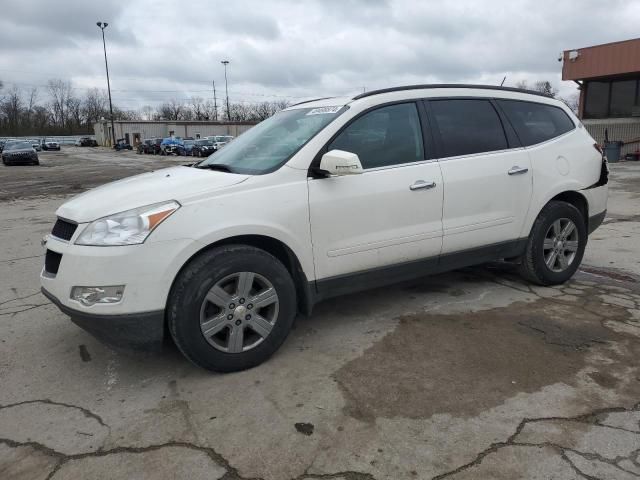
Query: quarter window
{"points": [[468, 126], [385, 136], [536, 122]]}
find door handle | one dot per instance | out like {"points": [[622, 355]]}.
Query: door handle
{"points": [[421, 184], [516, 170]]}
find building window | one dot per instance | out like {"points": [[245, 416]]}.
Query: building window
{"points": [[623, 98], [596, 104], [615, 98]]}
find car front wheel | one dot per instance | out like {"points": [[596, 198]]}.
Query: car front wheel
{"points": [[231, 308], [555, 246]]}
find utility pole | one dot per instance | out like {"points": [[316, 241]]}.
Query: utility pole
{"points": [[102, 26], [226, 87], [215, 103]]}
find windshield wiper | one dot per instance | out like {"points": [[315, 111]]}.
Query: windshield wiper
{"points": [[216, 166]]}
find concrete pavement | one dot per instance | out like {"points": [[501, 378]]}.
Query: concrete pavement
{"points": [[467, 375]]}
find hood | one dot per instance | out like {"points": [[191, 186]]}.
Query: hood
{"points": [[175, 183], [19, 150]]}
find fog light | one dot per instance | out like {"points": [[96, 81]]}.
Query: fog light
{"points": [[88, 296]]}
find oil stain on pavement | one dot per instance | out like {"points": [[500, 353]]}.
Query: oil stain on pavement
{"points": [[464, 364]]}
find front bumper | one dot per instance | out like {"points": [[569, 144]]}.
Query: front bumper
{"points": [[147, 271], [139, 331], [24, 159]]}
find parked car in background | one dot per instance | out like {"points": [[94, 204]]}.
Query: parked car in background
{"points": [[172, 146], [20, 153], [220, 141], [36, 145], [203, 148], [86, 142], [122, 144], [49, 144], [145, 146], [188, 146], [156, 148]]}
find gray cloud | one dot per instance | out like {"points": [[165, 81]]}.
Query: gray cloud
{"points": [[297, 49]]}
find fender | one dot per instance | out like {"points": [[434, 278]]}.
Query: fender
{"points": [[539, 201]]}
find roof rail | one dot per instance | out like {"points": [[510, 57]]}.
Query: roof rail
{"points": [[309, 101], [449, 85]]}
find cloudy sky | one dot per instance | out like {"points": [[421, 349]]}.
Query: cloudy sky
{"points": [[161, 50]]}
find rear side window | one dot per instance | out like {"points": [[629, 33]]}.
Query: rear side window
{"points": [[468, 126], [384, 136], [536, 122]]}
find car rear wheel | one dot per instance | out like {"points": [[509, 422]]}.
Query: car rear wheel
{"points": [[231, 308], [555, 246]]}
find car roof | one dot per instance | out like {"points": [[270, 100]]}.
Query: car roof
{"points": [[428, 91]]}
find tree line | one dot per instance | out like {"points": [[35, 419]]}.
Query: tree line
{"points": [[57, 109]]}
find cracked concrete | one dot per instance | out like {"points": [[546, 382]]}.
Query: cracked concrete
{"points": [[471, 374]]}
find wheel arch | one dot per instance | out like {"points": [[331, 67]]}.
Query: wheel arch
{"points": [[568, 195], [275, 247], [576, 199]]}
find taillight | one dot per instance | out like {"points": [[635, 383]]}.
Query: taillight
{"points": [[598, 148]]}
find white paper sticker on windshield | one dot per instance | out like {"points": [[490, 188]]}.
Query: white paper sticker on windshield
{"points": [[322, 110]]}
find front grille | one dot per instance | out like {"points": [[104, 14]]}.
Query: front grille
{"points": [[52, 262], [64, 229]]}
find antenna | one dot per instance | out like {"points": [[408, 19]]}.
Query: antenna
{"points": [[502, 82]]}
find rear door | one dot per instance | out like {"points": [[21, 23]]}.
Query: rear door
{"points": [[486, 173]]}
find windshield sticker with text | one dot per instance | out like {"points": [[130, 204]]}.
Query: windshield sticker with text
{"points": [[322, 110]]}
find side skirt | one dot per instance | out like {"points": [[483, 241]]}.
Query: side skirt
{"points": [[378, 277]]}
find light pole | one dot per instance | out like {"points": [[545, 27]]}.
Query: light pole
{"points": [[102, 26], [226, 87]]}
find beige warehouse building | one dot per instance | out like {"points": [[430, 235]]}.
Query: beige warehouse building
{"points": [[137, 130]]}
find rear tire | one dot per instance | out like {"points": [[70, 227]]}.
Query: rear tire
{"points": [[555, 246], [195, 300]]}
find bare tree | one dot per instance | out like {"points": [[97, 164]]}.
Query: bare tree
{"points": [[11, 108], [94, 106], [572, 102], [262, 111], [198, 108], [171, 110], [59, 91], [542, 86], [210, 111], [147, 112], [75, 115], [240, 112]]}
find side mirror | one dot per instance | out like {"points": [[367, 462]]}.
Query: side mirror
{"points": [[339, 162]]}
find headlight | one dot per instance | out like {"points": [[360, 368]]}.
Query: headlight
{"points": [[127, 228]]}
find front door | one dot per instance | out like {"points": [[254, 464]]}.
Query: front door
{"points": [[487, 175], [388, 215]]}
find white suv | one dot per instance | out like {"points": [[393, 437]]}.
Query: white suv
{"points": [[325, 198]]}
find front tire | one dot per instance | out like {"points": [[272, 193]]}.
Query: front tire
{"points": [[231, 308], [555, 246]]}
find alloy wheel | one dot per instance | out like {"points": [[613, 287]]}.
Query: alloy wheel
{"points": [[560, 245], [239, 312]]}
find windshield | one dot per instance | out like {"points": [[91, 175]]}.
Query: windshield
{"points": [[19, 145], [272, 142]]}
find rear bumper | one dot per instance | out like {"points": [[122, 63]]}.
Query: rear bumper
{"points": [[138, 331]]}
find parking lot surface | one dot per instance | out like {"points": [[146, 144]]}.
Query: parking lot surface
{"points": [[467, 375]]}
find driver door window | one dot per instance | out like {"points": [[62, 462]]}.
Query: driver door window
{"points": [[383, 137]]}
